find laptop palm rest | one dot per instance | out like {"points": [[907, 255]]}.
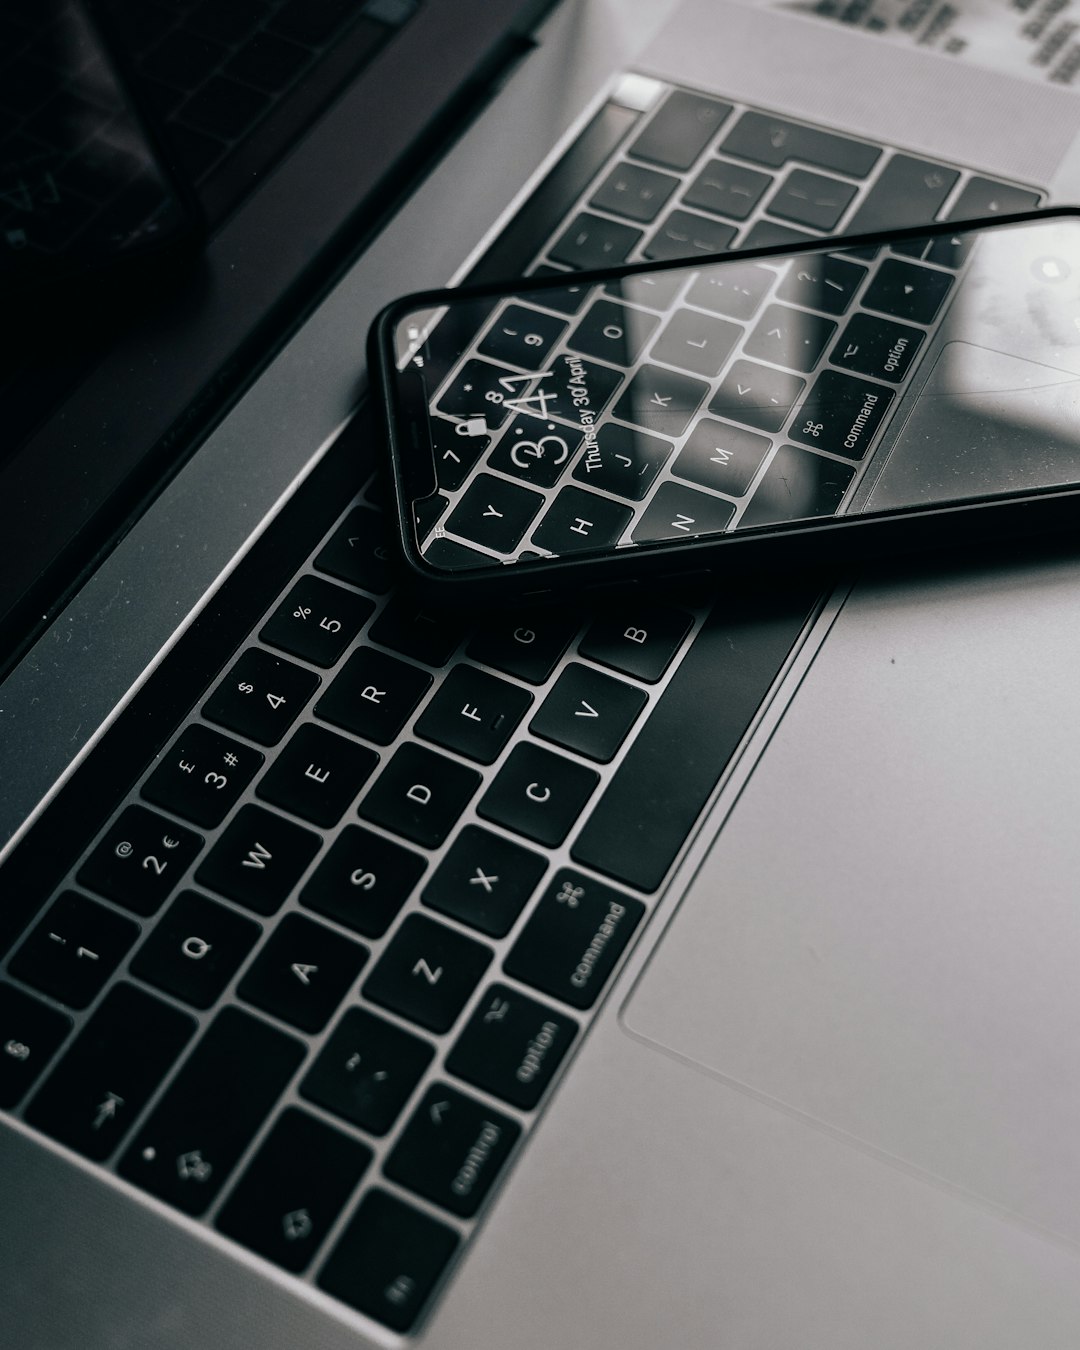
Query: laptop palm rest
{"points": [[885, 936]]}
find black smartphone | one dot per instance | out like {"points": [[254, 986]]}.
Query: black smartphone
{"points": [[85, 185], [737, 413]]}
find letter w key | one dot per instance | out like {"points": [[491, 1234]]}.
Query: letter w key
{"points": [[242, 867]]}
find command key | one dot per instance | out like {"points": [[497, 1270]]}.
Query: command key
{"points": [[574, 939]]}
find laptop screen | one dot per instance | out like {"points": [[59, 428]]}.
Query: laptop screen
{"points": [[290, 128]]}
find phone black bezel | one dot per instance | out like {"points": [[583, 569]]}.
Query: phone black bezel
{"points": [[804, 544]]}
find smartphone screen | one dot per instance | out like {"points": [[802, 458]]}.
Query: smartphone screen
{"points": [[81, 183], [576, 419]]}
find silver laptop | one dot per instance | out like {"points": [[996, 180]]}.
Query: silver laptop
{"points": [[740, 1015]]}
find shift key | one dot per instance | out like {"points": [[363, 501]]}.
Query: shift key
{"points": [[574, 938], [211, 1110]]}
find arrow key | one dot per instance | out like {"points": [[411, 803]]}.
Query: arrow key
{"points": [[303, 972], [907, 292]]}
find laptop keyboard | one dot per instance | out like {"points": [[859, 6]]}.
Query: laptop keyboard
{"points": [[313, 977]]}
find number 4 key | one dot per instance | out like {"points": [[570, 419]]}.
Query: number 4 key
{"points": [[261, 696]]}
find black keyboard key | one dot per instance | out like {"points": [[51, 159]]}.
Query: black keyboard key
{"points": [[494, 513], [685, 234], [622, 460], [578, 520], [427, 973], [452, 1150], [473, 713], [484, 881], [388, 1260], [593, 241], [790, 337], [259, 859], [525, 644], [414, 631], [653, 289], [680, 129], [224, 108], [293, 1189], [195, 949], [823, 282], [302, 972], [721, 456], [678, 512], [660, 400], [230, 23], [479, 390], [877, 347], [140, 859], [318, 774], [574, 938], [98, 1088], [451, 556], [908, 191], [538, 794], [522, 337], [797, 485], [363, 881], [183, 59], [373, 695], [456, 450], [566, 299], [420, 795], [812, 199], [30, 1034], [589, 712], [317, 621], [640, 641], [427, 514], [211, 1110], [511, 1046], [635, 192], [367, 1070], [981, 197], [947, 250], [536, 452], [757, 395], [907, 291], [74, 949], [261, 697], [653, 801], [357, 552], [767, 233], [268, 62], [773, 141], [841, 414], [613, 332], [734, 289], [727, 189], [696, 342], [202, 775]]}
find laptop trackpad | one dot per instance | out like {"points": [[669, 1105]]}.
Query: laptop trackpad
{"points": [[886, 959]]}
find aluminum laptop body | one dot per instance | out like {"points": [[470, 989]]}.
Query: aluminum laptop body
{"points": [[829, 1096]]}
